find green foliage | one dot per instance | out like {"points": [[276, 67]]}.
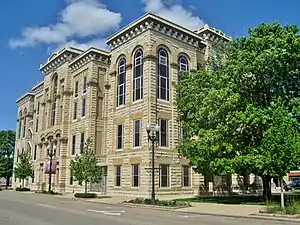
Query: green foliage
{"points": [[148, 201], [24, 167], [7, 143], [242, 117], [22, 189], [85, 166], [292, 208], [48, 193], [85, 195]]}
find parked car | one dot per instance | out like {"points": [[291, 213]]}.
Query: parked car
{"points": [[292, 185]]}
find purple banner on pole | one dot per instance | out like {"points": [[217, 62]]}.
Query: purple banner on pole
{"points": [[53, 167]]}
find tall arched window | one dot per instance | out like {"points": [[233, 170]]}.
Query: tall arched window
{"points": [[183, 65], [20, 125], [121, 82], [138, 75], [54, 100], [163, 77], [24, 124]]}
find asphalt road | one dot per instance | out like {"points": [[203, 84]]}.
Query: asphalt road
{"points": [[30, 209]]}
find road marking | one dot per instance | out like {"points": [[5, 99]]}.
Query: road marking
{"points": [[109, 213], [47, 206], [189, 216]]}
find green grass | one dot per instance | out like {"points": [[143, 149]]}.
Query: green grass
{"points": [[238, 199]]}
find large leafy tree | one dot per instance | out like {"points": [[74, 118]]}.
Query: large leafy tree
{"points": [[7, 143], [233, 114], [85, 166], [24, 167]]}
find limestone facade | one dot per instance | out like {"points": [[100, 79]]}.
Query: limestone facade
{"points": [[109, 97]]}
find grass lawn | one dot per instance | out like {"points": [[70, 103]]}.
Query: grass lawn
{"points": [[239, 199]]}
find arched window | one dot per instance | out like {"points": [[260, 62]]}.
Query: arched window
{"points": [[121, 82], [163, 77], [183, 64], [138, 75], [20, 125], [54, 100], [24, 124]]}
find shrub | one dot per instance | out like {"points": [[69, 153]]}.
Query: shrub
{"points": [[85, 195], [22, 189], [0, 189], [147, 201], [48, 193], [292, 208]]}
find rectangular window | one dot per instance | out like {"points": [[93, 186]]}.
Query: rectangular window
{"points": [[71, 177], [37, 125], [75, 111], [118, 176], [163, 134], [164, 179], [120, 136], [84, 85], [20, 128], [137, 133], [38, 108], [83, 109], [32, 178], [76, 89], [82, 141], [186, 176], [24, 128], [34, 153], [136, 175], [73, 144]]}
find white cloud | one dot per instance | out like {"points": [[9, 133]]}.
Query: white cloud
{"points": [[175, 13], [88, 19]]}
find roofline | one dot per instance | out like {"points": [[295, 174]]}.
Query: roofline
{"points": [[91, 49], [24, 96], [37, 85], [214, 30], [59, 53], [152, 16]]}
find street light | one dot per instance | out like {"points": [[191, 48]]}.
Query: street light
{"points": [[153, 137], [51, 150]]}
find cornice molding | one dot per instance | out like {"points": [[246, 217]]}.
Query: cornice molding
{"points": [[211, 34], [158, 24]]}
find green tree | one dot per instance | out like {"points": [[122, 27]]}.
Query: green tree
{"points": [[85, 166], [24, 167], [231, 115], [7, 143]]}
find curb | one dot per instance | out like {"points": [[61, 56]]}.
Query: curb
{"points": [[163, 208]]}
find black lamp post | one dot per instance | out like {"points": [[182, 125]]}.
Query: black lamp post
{"points": [[51, 150], [153, 136]]}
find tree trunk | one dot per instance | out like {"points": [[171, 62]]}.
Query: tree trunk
{"points": [[23, 180], [85, 187], [266, 188], [7, 182]]}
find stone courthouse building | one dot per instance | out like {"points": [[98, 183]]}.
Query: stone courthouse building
{"points": [[109, 97]]}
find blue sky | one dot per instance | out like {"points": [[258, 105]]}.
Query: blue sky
{"points": [[32, 29]]}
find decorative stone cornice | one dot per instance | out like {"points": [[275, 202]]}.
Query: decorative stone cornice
{"points": [[38, 88], [113, 73], [209, 33], [150, 57], [59, 58], [88, 56], [156, 23], [25, 98]]}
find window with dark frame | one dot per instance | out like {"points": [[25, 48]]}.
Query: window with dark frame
{"points": [[118, 176], [186, 176], [138, 75], [120, 136], [71, 177], [82, 142], [33, 175], [136, 175], [164, 179], [73, 145], [121, 82], [163, 134], [35, 151], [54, 101], [137, 133], [84, 85], [75, 111], [76, 89], [83, 109], [163, 76]]}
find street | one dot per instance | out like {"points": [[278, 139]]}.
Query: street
{"points": [[31, 209]]}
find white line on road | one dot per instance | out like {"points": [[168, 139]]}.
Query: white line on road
{"points": [[110, 213], [47, 206]]}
